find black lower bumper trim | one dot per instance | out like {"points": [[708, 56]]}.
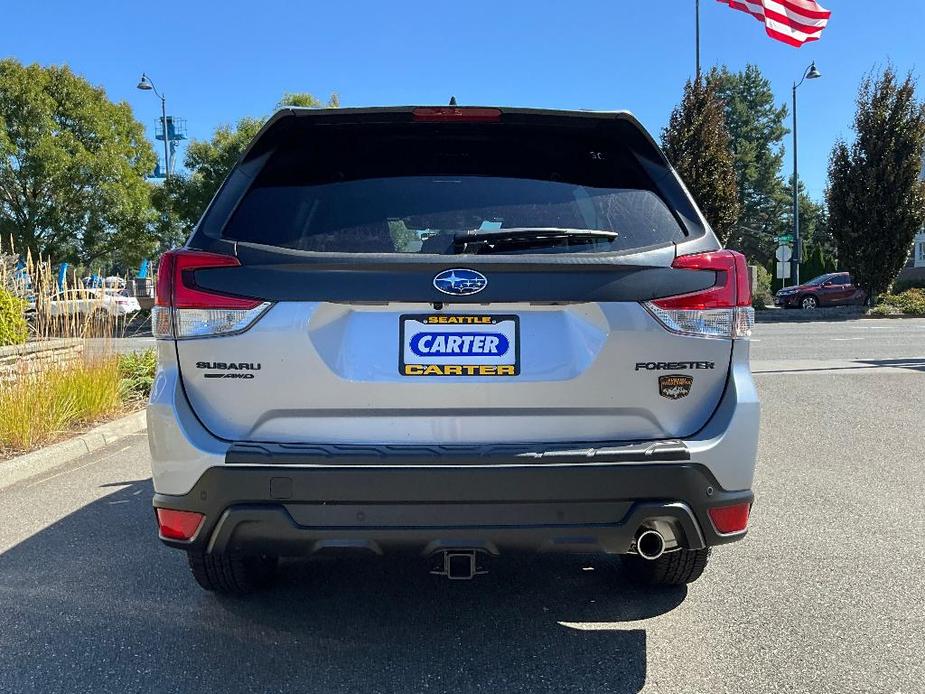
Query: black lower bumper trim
{"points": [[573, 507]]}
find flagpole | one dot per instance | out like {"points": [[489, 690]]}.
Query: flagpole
{"points": [[697, 39]]}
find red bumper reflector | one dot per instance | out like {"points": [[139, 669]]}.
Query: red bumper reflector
{"points": [[178, 525], [730, 519]]}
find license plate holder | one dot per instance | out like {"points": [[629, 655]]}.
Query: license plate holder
{"points": [[459, 345]]}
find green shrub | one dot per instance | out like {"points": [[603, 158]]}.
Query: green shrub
{"points": [[884, 310], [910, 302], [13, 326], [816, 263], [137, 373], [761, 294], [899, 286]]}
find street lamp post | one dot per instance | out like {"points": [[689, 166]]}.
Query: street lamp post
{"points": [[145, 84], [809, 73], [697, 37]]}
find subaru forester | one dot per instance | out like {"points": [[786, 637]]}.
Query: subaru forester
{"points": [[454, 332]]}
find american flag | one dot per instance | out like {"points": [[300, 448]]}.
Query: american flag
{"points": [[794, 22]]}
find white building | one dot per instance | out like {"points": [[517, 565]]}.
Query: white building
{"points": [[915, 266]]}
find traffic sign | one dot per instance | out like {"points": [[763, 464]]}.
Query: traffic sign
{"points": [[783, 253], [783, 271], [786, 238]]}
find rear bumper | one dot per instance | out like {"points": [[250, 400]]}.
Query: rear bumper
{"points": [[567, 506], [294, 500]]}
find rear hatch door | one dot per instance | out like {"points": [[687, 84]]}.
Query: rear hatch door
{"points": [[430, 280]]}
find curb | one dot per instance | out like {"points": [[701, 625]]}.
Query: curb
{"points": [[38, 462], [895, 316], [819, 315]]}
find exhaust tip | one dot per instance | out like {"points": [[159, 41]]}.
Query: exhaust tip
{"points": [[650, 544]]}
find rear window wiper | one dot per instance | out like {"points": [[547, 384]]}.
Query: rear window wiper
{"points": [[462, 238]]}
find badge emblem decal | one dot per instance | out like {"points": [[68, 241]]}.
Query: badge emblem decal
{"points": [[460, 282], [675, 386]]}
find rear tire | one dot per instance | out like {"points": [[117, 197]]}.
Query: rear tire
{"points": [[671, 569], [232, 574]]}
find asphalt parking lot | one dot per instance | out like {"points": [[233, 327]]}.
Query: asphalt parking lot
{"points": [[826, 594]]}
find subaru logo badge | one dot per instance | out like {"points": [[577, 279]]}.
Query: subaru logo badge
{"points": [[460, 282]]}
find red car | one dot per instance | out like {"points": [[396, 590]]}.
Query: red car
{"points": [[833, 289]]}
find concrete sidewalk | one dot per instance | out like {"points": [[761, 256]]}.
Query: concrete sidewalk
{"points": [[48, 458]]}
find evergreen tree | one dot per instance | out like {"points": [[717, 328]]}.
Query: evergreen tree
{"points": [[876, 195], [756, 127], [697, 144]]}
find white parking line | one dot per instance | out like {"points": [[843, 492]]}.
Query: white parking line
{"points": [[845, 339], [68, 471], [846, 367]]}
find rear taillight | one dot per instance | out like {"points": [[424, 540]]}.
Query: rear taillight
{"points": [[178, 525], [730, 519], [184, 310], [722, 310]]}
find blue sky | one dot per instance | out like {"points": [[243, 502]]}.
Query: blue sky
{"points": [[218, 61]]}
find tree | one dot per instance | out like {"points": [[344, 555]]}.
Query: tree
{"points": [[814, 220], [817, 262], [72, 168], [181, 201], [756, 127], [875, 194], [306, 100], [403, 238], [697, 144]]}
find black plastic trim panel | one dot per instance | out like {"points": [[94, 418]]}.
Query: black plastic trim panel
{"points": [[243, 453], [280, 281], [566, 507]]}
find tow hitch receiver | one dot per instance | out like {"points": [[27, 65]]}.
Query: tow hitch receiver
{"points": [[459, 564]]}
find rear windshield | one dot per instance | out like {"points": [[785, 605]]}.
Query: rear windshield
{"points": [[498, 193]]}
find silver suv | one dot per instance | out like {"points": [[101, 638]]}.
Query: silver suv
{"points": [[456, 331]]}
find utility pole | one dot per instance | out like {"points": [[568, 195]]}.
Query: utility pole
{"points": [[697, 37], [797, 256]]}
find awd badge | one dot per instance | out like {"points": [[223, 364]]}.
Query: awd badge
{"points": [[675, 386]]}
